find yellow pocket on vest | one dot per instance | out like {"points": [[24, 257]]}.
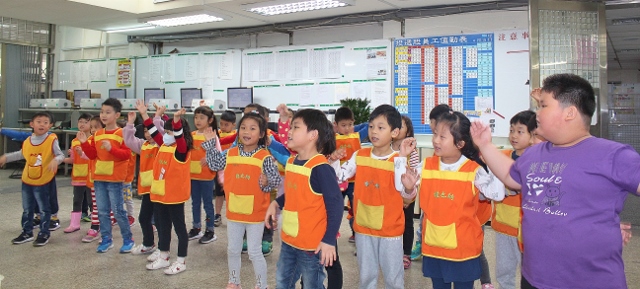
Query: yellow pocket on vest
{"points": [[370, 216], [80, 170], [240, 204], [441, 236], [146, 178], [508, 215], [34, 173], [196, 167], [290, 225], [104, 168], [157, 187]]}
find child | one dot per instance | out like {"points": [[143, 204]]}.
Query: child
{"points": [[112, 159], [378, 206], [284, 122], [573, 189], [92, 235], [227, 127], [147, 148], [251, 174], [312, 210], [449, 198], [79, 173], [127, 194], [170, 189], [202, 183], [43, 155]]}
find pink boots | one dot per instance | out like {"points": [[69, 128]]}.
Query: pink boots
{"points": [[74, 225]]}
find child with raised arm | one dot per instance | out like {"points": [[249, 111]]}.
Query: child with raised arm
{"points": [[227, 127], [573, 190], [79, 173]]}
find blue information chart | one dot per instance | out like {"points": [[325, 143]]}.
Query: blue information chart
{"points": [[455, 70]]}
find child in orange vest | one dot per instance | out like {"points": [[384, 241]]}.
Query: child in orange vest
{"points": [[449, 196], [79, 173], [170, 189], [227, 127], [250, 175], [127, 193]]}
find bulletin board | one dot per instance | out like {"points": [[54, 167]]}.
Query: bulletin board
{"points": [[98, 75], [319, 75], [485, 76]]}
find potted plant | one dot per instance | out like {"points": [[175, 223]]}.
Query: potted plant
{"points": [[360, 107]]}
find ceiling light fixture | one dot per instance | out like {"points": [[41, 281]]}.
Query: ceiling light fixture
{"points": [[196, 17], [130, 29], [284, 7]]}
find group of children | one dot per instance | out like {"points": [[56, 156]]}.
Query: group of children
{"points": [[555, 204]]}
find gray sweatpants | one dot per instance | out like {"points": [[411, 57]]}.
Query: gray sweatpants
{"points": [[375, 253], [235, 233], [508, 258]]}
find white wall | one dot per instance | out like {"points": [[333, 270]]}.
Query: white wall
{"points": [[624, 76], [469, 23]]}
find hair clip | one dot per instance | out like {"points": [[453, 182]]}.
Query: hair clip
{"points": [[450, 111]]}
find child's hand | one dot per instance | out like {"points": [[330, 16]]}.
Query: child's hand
{"points": [[81, 136], [209, 134], [271, 218], [625, 230], [53, 166], [78, 151], [263, 180], [407, 146], [480, 133], [535, 94], [3, 160], [409, 179], [141, 106], [338, 155], [282, 108], [106, 145], [131, 117], [203, 163], [159, 109], [178, 114], [327, 254]]}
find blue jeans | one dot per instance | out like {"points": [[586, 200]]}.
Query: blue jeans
{"points": [[295, 262], [109, 198], [53, 199], [32, 197], [202, 193]]}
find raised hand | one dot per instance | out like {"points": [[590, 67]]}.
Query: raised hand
{"points": [[141, 106], [338, 154], [131, 117], [407, 146], [409, 179], [178, 114], [209, 134], [480, 133], [81, 136], [535, 94], [263, 180], [159, 109]]}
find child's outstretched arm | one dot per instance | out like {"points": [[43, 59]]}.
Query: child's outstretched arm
{"points": [[215, 159], [490, 186], [178, 134], [498, 162], [129, 134], [345, 171], [407, 178], [322, 180], [270, 175], [88, 147], [15, 134]]}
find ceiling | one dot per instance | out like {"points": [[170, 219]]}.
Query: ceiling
{"points": [[623, 40]]}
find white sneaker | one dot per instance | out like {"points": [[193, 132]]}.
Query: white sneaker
{"points": [[158, 264], [175, 268], [154, 256], [141, 249]]}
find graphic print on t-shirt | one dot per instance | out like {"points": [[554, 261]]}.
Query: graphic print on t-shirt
{"points": [[544, 183]]}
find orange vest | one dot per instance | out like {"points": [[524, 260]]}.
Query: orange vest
{"points": [[148, 152], [304, 216], [378, 206], [131, 169], [80, 169], [108, 167], [198, 172], [224, 134], [507, 215], [246, 203], [451, 228], [92, 166], [484, 211], [349, 142], [171, 183], [38, 157]]}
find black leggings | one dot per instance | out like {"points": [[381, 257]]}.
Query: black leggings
{"points": [[79, 195], [166, 216], [334, 274], [144, 218], [407, 236]]}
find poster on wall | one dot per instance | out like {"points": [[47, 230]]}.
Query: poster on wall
{"points": [[124, 73]]}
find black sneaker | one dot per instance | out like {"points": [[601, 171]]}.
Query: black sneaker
{"points": [[208, 237], [23, 238], [54, 225], [36, 222], [41, 240], [195, 233]]}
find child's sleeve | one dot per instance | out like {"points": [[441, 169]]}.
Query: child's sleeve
{"points": [[228, 139], [89, 149], [57, 152], [154, 130], [347, 170], [363, 131], [282, 158], [270, 170], [215, 159], [14, 156], [323, 181], [130, 139], [400, 167], [220, 172], [625, 169], [159, 124], [489, 185], [122, 153], [278, 147], [181, 143], [15, 134]]}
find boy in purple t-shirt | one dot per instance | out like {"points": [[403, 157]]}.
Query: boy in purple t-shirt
{"points": [[573, 190]]}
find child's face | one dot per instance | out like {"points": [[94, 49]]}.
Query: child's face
{"points": [[83, 125], [536, 137], [41, 125], [345, 126], [443, 144], [550, 116], [519, 137], [402, 133], [249, 133], [226, 126], [298, 136], [108, 115], [380, 132], [95, 126], [201, 121]]}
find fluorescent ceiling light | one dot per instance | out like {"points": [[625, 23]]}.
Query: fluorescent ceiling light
{"points": [[131, 29], [196, 17], [284, 7]]}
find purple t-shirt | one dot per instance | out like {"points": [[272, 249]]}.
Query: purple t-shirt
{"points": [[571, 201]]}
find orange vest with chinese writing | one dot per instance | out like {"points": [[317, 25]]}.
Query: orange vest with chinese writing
{"points": [[148, 153], [451, 229], [225, 134], [198, 172], [304, 216], [246, 202], [349, 142], [80, 170], [131, 169], [92, 166], [108, 167], [506, 217], [37, 159], [171, 178], [378, 206]]}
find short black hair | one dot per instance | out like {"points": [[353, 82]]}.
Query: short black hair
{"points": [[207, 111], [318, 121], [262, 125], [43, 114], [343, 113], [439, 110], [97, 118], [228, 115], [572, 90], [409, 124], [113, 102], [259, 109], [532, 124], [524, 118], [85, 116], [394, 119]]}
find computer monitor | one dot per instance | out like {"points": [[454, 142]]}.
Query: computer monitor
{"points": [[153, 93], [59, 94], [239, 97], [118, 93], [80, 94], [187, 95]]}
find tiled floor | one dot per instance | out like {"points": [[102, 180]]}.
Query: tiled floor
{"points": [[66, 262]]}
